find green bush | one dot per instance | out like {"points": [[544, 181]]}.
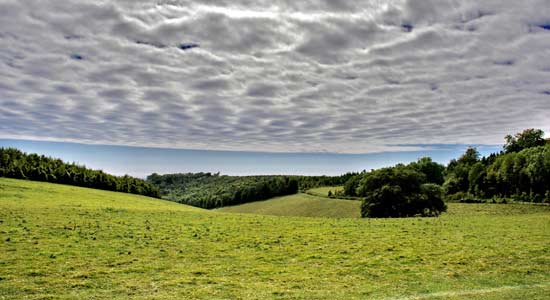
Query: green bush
{"points": [[399, 191]]}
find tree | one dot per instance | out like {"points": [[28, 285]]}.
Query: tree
{"points": [[384, 202], [399, 191], [451, 185], [432, 204], [458, 171], [470, 157], [476, 179], [434, 172], [527, 139], [350, 187]]}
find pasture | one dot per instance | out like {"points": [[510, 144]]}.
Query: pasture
{"points": [[300, 205], [323, 191], [62, 242]]}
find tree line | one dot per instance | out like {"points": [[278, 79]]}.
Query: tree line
{"points": [[17, 164], [520, 172], [308, 182], [207, 190]]}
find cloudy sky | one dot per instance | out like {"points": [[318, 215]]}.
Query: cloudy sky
{"points": [[354, 76]]}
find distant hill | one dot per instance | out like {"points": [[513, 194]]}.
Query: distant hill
{"points": [[207, 190], [20, 165], [300, 205]]}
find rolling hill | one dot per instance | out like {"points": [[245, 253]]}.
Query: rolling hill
{"points": [[64, 242], [300, 205], [323, 191]]}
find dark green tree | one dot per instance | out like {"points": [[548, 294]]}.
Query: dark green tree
{"points": [[350, 187], [399, 191], [527, 139], [476, 179], [435, 172], [470, 157], [458, 172]]}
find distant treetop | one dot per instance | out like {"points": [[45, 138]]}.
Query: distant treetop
{"points": [[529, 138]]}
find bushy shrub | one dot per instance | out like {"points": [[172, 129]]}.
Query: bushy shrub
{"points": [[399, 192]]}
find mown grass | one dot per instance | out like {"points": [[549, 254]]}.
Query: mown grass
{"points": [[60, 242], [300, 205], [323, 191]]}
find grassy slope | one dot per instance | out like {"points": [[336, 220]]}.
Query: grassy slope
{"points": [[323, 191], [300, 205], [59, 242]]}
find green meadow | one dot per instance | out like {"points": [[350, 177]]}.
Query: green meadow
{"points": [[300, 205], [63, 242], [323, 191]]}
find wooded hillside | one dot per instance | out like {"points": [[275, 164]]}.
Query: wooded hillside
{"points": [[17, 164]]}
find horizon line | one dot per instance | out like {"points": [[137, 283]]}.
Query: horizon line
{"points": [[418, 147]]}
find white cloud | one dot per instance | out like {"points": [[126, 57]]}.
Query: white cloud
{"points": [[341, 76]]}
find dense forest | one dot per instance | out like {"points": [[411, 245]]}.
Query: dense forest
{"points": [[17, 164], [308, 182], [209, 190], [520, 172]]}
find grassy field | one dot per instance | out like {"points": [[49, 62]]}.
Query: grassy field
{"points": [[300, 205], [60, 242], [323, 191]]}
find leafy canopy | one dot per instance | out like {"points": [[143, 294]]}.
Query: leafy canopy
{"points": [[529, 138], [399, 191]]}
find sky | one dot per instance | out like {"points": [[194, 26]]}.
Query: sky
{"points": [[312, 77], [143, 161]]}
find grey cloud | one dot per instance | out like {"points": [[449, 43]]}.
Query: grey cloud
{"points": [[164, 96], [262, 89], [66, 89], [114, 94], [335, 41], [211, 84], [343, 76]]}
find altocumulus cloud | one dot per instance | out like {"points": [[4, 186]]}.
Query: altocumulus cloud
{"points": [[338, 76]]}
